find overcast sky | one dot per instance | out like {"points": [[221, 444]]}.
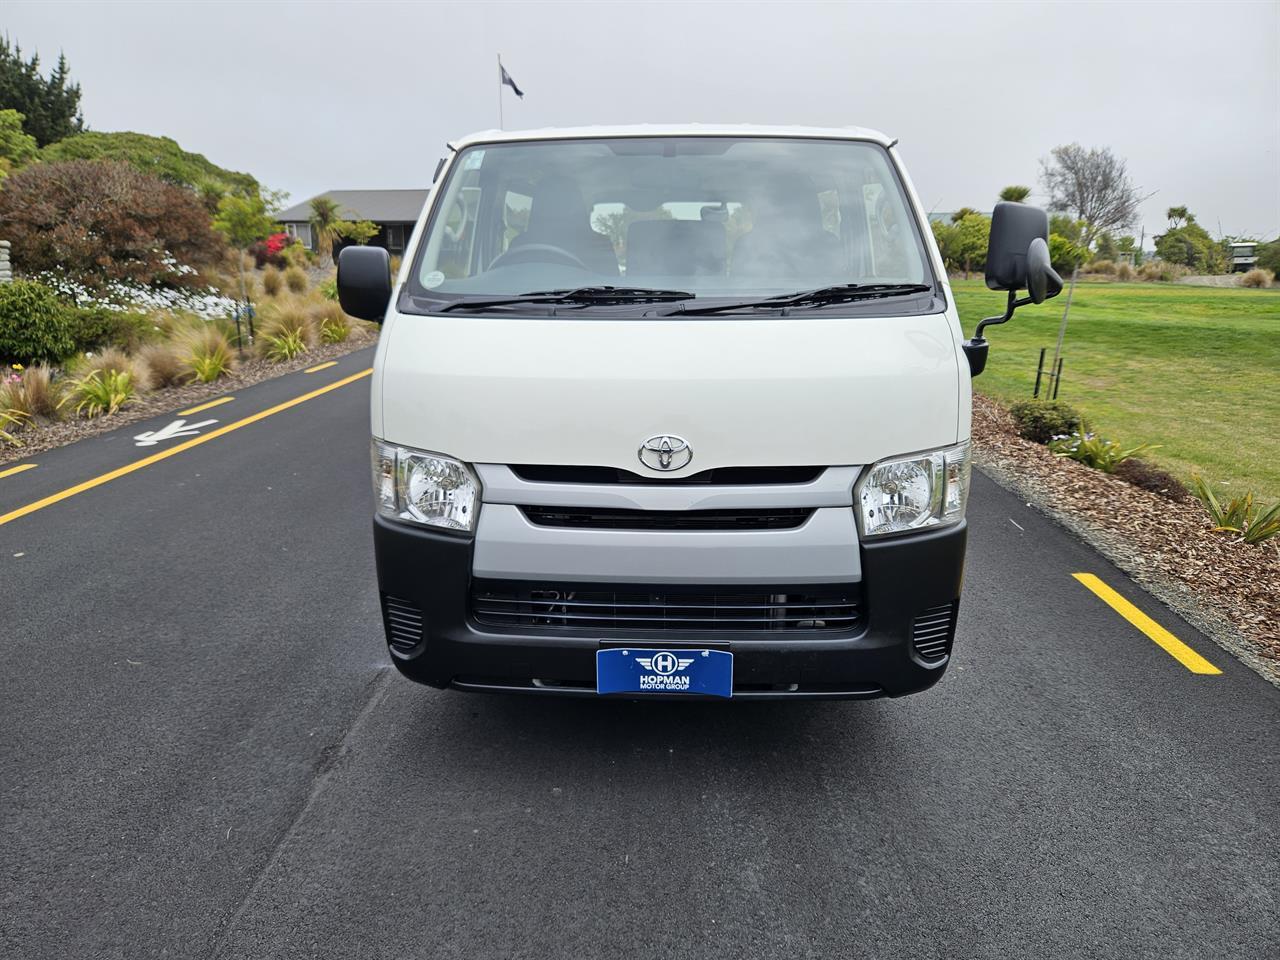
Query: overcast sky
{"points": [[313, 96]]}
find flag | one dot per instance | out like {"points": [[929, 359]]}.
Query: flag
{"points": [[504, 77]]}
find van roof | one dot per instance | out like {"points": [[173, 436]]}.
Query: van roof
{"points": [[673, 130]]}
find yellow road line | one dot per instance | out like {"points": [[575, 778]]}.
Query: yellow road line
{"points": [[1162, 637], [173, 451], [321, 366], [205, 406], [18, 469]]}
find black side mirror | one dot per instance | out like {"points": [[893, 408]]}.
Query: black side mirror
{"points": [[364, 282], [1043, 281], [1017, 259]]}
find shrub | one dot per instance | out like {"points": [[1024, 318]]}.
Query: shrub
{"points": [[296, 280], [1239, 515], [33, 323], [1142, 474], [1104, 267], [329, 289], [164, 364], [95, 327], [1041, 420], [296, 255], [283, 346], [11, 420], [335, 331], [32, 392], [208, 352], [111, 360], [1162, 271], [1258, 277], [1094, 451], [270, 251], [101, 221], [290, 316], [1125, 271], [158, 156], [272, 282], [102, 392]]}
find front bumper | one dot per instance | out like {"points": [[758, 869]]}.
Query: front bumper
{"points": [[425, 582]]}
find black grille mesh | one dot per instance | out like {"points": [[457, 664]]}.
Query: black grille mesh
{"points": [[655, 608], [605, 518]]}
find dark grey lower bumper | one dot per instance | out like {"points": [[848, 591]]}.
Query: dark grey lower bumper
{"points": [[425, 580]]}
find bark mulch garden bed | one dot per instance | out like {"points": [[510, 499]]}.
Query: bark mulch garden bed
{"points": [[1228, 589], [45, 436]]}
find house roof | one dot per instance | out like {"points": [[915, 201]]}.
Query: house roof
{"points": [[380, 206], [673, 130]]}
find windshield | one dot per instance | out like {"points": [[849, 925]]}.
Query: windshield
{"points": [[711, 216]]}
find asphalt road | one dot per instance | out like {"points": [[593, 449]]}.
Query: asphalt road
{"points": [[204, 752]]}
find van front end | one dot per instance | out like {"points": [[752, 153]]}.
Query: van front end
{"points": [[669, 413]]}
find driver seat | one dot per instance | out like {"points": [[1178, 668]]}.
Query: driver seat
{"points": [[559, 217]]}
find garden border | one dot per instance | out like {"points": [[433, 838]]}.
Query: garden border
{"points": [[1007, 459]]}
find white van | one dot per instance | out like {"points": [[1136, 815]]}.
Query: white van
{"points": [[675, 411]]}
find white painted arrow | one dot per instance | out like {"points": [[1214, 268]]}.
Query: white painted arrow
{"points": [[179, 428]]}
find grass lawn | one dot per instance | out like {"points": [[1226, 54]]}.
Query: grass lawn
{"points": [[1194, 369]]}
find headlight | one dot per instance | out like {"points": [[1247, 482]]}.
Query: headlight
{"points": [[424, 488], [912, 493]]}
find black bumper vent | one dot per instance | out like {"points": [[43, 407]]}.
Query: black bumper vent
{"points": [[403, 621], [643, 608], [606, 518], [933, 631]]}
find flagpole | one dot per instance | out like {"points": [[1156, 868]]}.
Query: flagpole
{"points": [[499, 91]]}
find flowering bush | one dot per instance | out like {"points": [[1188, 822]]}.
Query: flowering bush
{"points": [[205, 302], [274, 250]]}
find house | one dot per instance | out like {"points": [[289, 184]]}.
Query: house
{"points": [[394, 211]]}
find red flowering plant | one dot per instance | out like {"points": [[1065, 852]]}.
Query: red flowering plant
{"points": [[271, 250]]}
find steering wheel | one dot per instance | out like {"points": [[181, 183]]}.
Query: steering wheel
{"points": [[537, 253]]}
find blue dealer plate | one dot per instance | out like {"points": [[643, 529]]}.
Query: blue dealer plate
{"points": [[707, 673]]}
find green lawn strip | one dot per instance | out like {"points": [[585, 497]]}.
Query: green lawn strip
{"points": [[1194, 369]]}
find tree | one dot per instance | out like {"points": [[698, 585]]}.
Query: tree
{"points": [[972, 235], [1015, 194], [358, 231], [963, 242], [16, 148], [50, 107], [158, 156], [1093, 186], [1269, 256], [1189, 244], [103, 221], [326, 217], [243, 220]]}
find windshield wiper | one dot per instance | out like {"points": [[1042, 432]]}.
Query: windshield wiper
{"points": [[579, 295], [843, 293]]}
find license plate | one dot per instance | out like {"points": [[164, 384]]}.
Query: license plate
{"points": [[707, 673]]}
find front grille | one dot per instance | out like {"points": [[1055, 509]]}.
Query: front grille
{"points": [[724, 476], [656, 608], [933, 630], [606, 518], [403, 621]]}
